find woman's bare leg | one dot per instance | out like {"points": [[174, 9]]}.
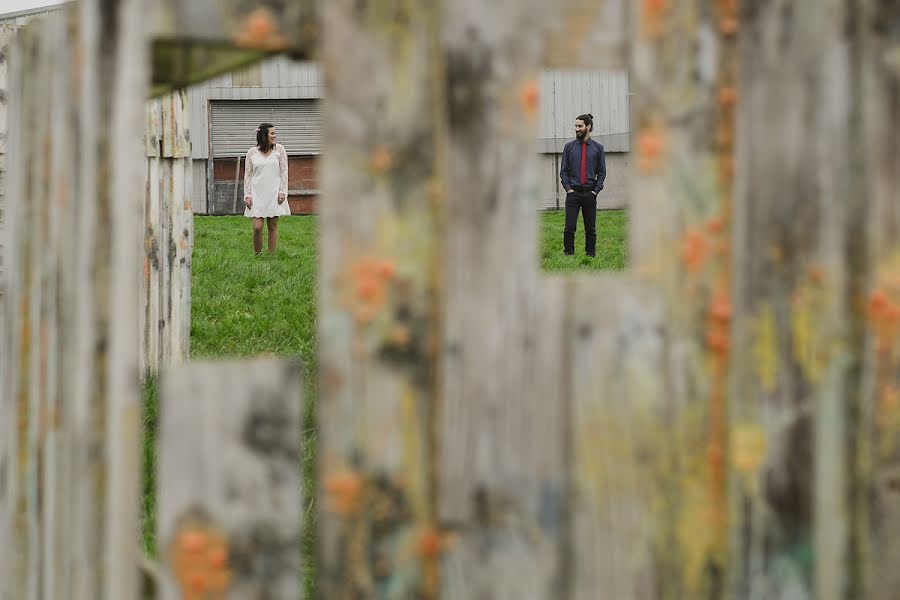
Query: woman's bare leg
{"points": [[257, 234], [272, 222]]}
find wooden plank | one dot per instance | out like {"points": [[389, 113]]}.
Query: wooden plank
{"points": [[491, 491], [588, 33], [264, 24], [377, 534], [176, 141], [182, 242], [882, 160], [153, 134], [167, 258], [152, 266], [36, 182], [625, 445], [229, 487], [55, 483], [11, 359]]}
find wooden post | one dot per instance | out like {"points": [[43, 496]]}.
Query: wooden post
{"points": [[7, 405], [168, 234], [881, 115], [502, 425], [378, 317], [229, 488], [69, 497]]}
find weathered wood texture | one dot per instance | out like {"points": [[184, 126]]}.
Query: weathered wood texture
{"points": [[501, 427], [7, 35], [802, 269], [881, 114], [69, 495], [168, 234], [229, 488], [378, 314], [7, 413], [197, 40]]}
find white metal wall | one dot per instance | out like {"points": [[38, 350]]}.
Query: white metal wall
{"points": [[568, 94], [282, 79], [232, 123]]}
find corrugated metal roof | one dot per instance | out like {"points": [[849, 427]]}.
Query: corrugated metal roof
{"points": [[233, 124]]}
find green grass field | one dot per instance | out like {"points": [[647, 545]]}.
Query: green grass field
{"points": [[612, 229], [246, 305]]}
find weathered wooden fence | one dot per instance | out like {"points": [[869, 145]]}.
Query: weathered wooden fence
{"points": [[721, 421], [168, 234]]}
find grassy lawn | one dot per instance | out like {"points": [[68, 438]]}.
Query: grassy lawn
{"points": [[246, 305], [612, 230]]}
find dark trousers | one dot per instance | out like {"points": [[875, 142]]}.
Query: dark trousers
{"points": [[586, 203]]}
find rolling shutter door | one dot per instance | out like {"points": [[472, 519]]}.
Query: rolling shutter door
{"points": [[233, 123]]}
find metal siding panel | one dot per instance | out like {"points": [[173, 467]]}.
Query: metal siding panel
{"points": [[602, 102], [298, 123], [546, 105], [198, 202]]}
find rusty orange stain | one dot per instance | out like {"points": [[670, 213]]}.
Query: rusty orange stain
{"points": [[400, 335], [260, 31], [368, 289], [720, 309], [651, 146], [193, 541], [728, 26], [728, 96], [652, 17], [381, 159], [879, 305], [385, 269], [199, 561], [344, 491], [431, 543], [530, 97], [717, 341], [693, 250], [715, 224]]}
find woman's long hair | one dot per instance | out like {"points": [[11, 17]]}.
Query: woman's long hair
{"points": [[262, 137]]}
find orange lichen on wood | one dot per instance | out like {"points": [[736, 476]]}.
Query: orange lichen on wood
{"points": [[381, 160], [260, 31], [728, 26], [530, 97], [694, 250], [345, 492], [651, 145], [653, 14], [199, 560], [365, 285], [728, 96], [883, 314]]}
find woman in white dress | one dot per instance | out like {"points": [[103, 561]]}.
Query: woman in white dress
{"points": [[265, 185]]}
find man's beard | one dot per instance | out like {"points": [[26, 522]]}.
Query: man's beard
{"points": [[579, 135]]}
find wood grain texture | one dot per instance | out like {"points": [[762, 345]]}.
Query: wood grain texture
{"points": [[625, 445], [378, 302], [590, 34], [74, 489], [802, 267], [229, 472], [500, 472], [683, 75]]}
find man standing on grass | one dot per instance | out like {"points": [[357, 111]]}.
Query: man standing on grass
{"points": [[582, 173]]}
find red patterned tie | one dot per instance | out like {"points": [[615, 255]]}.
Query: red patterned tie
{"points": [[583, 162]]}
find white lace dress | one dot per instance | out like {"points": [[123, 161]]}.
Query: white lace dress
{"points": [[266, 176]]}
